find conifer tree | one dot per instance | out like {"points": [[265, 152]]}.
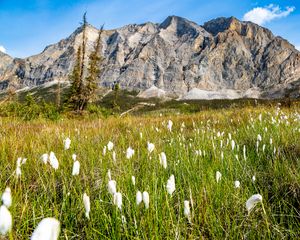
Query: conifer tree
{"points": [[81, 93], [93, 71], [75, 80], [83, 88], [116, 89]]}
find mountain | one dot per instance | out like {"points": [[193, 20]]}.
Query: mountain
{"points": [[5, 62], [236, 58]]}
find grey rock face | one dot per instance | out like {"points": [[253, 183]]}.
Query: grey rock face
{"points": [[5, 62], [175, 56]]}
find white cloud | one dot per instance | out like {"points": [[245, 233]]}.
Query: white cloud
{"points": [[298, 47], [262, 15], [2, 49]]}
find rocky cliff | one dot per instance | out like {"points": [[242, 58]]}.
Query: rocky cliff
{"points": [[177, 56]]}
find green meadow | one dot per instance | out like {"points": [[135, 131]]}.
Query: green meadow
{"points": [[257, 146]]}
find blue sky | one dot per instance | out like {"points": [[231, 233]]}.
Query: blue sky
{"points": [[27, 27]]}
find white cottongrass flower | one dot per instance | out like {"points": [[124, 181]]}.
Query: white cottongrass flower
{"points": [[20, 162], [187, 211], [114, 156], [163, 160], [47, 229], [259, 138], [74, 157], [117, 200], [109, 174], [6, 197], [264, 147], [67, 143], [171, 185], [198, 152], [87, 205], [45, 158], [18, 171], [5, 220], [123, 218], [138, 198], [170, 125], [104, 151], [53, 161], [232, 144], [112, 187], [146, 199], [133, 180], [23, 161], [150, 147], [218, 176], [201, 152], [110, 146], [252, 201], [253, 178], [129, 153], [76, 168], [237, 184]]}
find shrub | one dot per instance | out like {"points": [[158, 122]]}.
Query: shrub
{"points": [[30, 110], [98, 111]]}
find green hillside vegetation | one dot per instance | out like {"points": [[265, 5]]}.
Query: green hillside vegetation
{"points": [[42, 103]]}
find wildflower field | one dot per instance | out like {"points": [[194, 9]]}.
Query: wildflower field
{"points": [[217, 174]]}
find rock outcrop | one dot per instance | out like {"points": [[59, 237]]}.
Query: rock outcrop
{"points": [[5, 62], [177, 56]]}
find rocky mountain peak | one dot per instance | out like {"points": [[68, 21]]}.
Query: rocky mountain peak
{"points": [[179, 25], [176, 56], [222, 24], [173, 21], [5, 61]]}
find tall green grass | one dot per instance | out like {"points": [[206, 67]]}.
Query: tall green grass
{"points": [[218, 209]]}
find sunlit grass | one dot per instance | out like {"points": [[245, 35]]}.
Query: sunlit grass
{"points": [[194, 155]]}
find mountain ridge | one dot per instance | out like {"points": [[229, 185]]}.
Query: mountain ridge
{"points": [[176, 56]]}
